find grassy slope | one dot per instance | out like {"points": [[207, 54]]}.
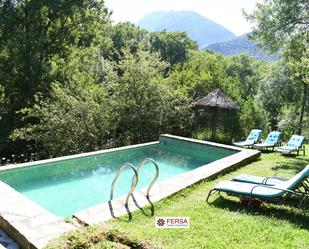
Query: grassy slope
{"points": [[225, 223]]}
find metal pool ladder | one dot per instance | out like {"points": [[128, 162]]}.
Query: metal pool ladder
{"points": [[134, 181], [135, 178], [157, 172]]}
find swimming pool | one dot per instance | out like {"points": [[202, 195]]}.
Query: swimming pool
{"points": [[66, 186]]}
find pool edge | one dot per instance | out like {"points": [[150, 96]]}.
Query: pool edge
{"points": [[192, 140]]}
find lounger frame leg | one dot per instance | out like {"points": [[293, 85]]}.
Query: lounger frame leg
{"points": [[302, 201], [211, 192], [250, 203]]}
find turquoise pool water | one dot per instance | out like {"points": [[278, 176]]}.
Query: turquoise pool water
{"points": [[68, 186]]}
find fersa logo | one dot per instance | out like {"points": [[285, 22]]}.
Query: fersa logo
{"points": [[172, 222], [160, 222]]}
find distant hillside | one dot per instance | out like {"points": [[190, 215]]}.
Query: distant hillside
{"points": [[241, 44], [198, 27]]}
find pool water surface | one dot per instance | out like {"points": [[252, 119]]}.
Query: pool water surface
{"points": [[68, 186]]}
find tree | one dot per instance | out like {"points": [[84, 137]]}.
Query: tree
{"points": [[200, 74], [244, 81], [173, 46], [276, 90], [32, 34], [70, 121], [244, 71], [127, 37], [137, 97], [32, 31], [177, 116], [3, 110], [252, 115], [76, 115], [282, 25], [144, 103]]}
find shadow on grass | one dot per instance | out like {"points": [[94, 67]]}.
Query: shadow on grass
{"points": [[148, 211], [115, 217], [144, 210], [296, 164], [265, 151], [296, 216]]}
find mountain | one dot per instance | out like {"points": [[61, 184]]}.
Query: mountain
{"points": [[198, 27], [241, 44]]}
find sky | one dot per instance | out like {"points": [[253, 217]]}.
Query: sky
{"points": [[227, 13]]}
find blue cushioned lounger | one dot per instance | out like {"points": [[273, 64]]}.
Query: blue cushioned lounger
{"points": [[272, 140], [297, 186], [273, 180], [295, 144], [253, 138]]}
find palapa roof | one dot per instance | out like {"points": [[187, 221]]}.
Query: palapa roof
{"points": [[216, 99]]}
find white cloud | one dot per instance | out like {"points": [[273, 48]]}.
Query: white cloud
{"points": [[225, 12]]}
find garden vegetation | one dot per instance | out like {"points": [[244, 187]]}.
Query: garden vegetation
{"points": [[73, 81]]}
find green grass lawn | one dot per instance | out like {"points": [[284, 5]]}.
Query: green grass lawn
{"points": [[225, 223]]}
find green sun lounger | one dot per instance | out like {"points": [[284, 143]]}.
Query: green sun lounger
{"points": [[272, 180], [297, 186], [253, 138], [295, 144], [273, 139]]}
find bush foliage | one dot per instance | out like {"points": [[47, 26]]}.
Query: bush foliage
{"points": [[72, 81]]}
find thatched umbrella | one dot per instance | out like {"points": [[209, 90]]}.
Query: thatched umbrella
{"points": [[215, 101]]}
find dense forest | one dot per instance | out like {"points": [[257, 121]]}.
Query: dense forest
{"points": [[72, 81]]}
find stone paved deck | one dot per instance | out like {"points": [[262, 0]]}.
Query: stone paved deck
{"points": [[26, 222]]}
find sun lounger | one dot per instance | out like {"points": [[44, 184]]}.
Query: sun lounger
{"points": [[253, 138], [273, 139], [295, 144], [297, 186]]}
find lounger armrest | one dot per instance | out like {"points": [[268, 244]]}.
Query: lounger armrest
{"points": [[276, 188], [272, 177]]}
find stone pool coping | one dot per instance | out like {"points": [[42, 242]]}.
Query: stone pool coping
{"points": [[32, 226], [26, 222]]}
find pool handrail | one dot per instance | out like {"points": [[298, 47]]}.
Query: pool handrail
{"points": [[134, 181], [156, 176]]}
